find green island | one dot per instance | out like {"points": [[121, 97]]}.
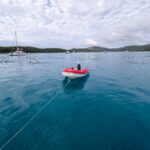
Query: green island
{"points": [[28, 49]]}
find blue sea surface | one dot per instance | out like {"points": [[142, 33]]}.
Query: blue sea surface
{"points": [[107, 110]]}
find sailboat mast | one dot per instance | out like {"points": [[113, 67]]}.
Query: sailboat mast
{"points": [[16, 39]]}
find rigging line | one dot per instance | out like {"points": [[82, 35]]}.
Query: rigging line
{"points": [[27, 123]]}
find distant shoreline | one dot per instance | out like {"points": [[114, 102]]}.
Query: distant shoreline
{"points": [[76, 52], [29, 49]]}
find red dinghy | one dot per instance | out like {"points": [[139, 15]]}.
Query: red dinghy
{"points": [[74, 73]]}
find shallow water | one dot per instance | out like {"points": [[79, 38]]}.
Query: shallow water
{"points": [[107, 110]]}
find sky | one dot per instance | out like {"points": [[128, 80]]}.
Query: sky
{"points": [[75, 23]]}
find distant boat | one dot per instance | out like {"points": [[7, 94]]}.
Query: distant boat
{"points": [[19, 51], [67, 52]]}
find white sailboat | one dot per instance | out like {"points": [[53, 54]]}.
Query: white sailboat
{"points": [[67, 52], [19, 51]]}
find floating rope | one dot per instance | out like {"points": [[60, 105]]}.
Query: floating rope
{"points": [[28, 122]]}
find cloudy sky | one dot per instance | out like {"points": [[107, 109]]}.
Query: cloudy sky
{"points": [[75, 23]]}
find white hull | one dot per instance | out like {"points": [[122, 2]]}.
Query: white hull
{"points": [[20, 53], [73, 75]]}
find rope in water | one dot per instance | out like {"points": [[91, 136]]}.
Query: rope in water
{"points": [[27, 123]]}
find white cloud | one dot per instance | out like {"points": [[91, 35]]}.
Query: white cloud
{"points": [[90, 42], [75, 23]]}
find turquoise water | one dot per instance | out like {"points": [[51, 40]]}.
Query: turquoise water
{"points": [[107, 110]]}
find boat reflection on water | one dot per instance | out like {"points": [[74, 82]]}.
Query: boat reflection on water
{"points": [[70, 85]]}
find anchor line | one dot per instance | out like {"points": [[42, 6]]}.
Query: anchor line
{"points": [[28, 122]]}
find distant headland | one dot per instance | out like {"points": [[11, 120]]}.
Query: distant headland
{"points": [[28, 49]]}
